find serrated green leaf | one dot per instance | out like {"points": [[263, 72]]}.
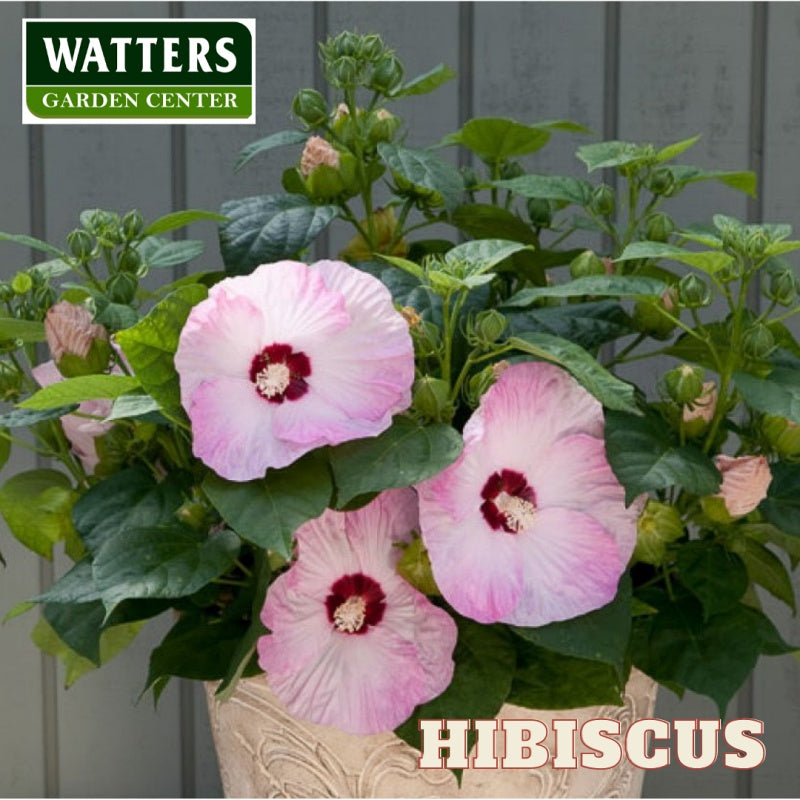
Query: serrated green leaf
{"points": [[778, 393], [674, 150], [132, 405], [767, 570], [74, 586], [742, 181], [494, 139], [765, 532], [709, 261], [159, 253], [549, 187], [781, 506], [32, 242], [179, 219], [591, 285], [427, 82], [403, 263], [609, 390], [484, 221], [403, 455], [150, 346], [23, 329], [482, 255], [714, 575], [611, 154], [23, 417], [267, 512], [267, 228], [77, 390], [424, 168], [645, 457], [53, 268], [279, 139]]}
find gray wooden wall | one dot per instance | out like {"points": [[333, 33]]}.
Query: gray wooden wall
{"points": [[641, 71]]}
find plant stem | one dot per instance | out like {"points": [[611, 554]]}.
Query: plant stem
{"points": [[620, 357]]}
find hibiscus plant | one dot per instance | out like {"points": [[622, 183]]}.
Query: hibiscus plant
{"points": [[409, 479]]}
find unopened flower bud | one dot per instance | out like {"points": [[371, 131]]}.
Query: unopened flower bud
{"points": [[758, 342], [132, 224], [661, 182], [78, 345], [129, 261], [783, 436], [698, 413], [745, 481], [603, 201], [481, 382], [586, 264], [693, 291], [658, 526], [10, 382], [317, 151], [648, 319], [684, 384], [658, 227], [489, 326], [470, 177], [781, 286], [415, 567], [431, 398], [310, 107], [121, 288], [346, 43], [79, 243], [383, 127], [372, 46], [343, 72], [510, 170], [387, 75], [540, 212], [756, 243], [22, 283]]}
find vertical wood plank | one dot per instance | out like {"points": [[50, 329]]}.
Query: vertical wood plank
{"points": [[118, 168], [21, 713]]}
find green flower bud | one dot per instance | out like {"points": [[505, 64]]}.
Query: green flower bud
{"points": [[129, 261], [415, 567], [756, 243], [730, 273], [387, 75], [22, 283], [758, 342], [383, 127], [658, 526], [132, 224], [372, 46], [781, 286], [121, 288], [693, 291], [480, 383], [489, 326], [731, 240], [662, 181], [343, 72], [684, 384], [587, 263], [783, 436], [10, 382], [511, 169], [80, 243], [310, 107], [346, 43], [603, 201], [658, 227], [540, 212], [648, 319], [431, 398], [470, 177]]}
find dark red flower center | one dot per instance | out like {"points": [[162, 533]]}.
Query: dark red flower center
{"points": [[509, 502], [355, 603], [279, 374]]}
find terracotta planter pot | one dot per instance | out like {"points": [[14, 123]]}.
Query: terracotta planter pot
{"points": [[265, 752]]}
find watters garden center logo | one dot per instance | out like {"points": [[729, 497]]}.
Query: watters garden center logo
{"points": [[138, 71]]}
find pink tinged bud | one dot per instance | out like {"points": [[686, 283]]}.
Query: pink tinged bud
{"points": [[316, 153], [70, 331], [668, 299], [341, 111], [704, 407], [745, 481]]}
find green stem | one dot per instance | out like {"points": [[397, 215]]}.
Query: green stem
{"points": [[26, 445], [620, 357]]}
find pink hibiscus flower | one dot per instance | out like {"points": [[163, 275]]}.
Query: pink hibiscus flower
{"points": [[529, 525], [745, 481], [287, 359], [352, 644], [80, 431]]}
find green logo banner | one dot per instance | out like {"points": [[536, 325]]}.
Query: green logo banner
{"points": [[177, 71]]}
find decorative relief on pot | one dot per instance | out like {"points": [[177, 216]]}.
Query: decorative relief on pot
{"points": [[263, 751]]}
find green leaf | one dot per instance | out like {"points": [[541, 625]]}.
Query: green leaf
{"points": [[23, 329], [600, 635], [674, 150], [179, 219], [74, 586], [23, 418], [489, 222], [495, 139], [777, 394], [403, 455], [483, 254], [767, 570], [781, 506], [424, 168], [741, 181], [130, 498], [427, 82], [549, 680], [53, 268], [611, 154], [76, 390], [549, 187], [270, 227], [132, 405], [279, 139], [78, 625], [591, 285], [157, 252], [709, 261], [408, 266], [689, 348], [32, 242], [267, 512], [764, 532], [609, 390], [36, 506], [484, 667], [150, 345], [714, 575], [112, 641], [780, 248], [645, 457], [163, 561]]}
